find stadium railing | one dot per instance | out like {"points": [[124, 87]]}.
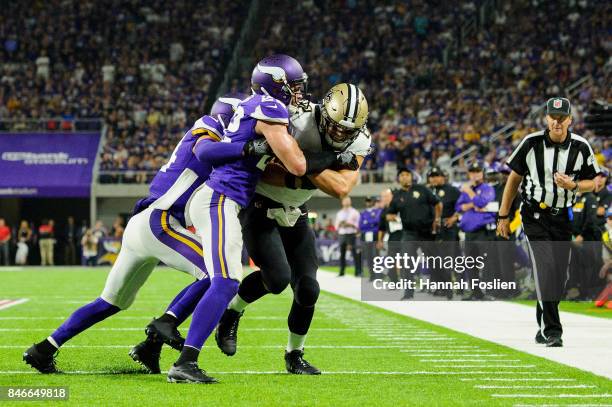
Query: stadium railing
{"points": [[126, 176], [50, 124]]}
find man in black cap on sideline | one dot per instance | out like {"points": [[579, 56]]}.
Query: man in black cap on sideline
{"points": [[390, 231], [420, 212], [449, 231], [552, 165]]}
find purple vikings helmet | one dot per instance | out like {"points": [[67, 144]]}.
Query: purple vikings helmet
{"points": [[281, 77], [223, 109]]}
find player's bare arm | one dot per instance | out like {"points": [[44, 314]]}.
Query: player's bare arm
{"points": [[337, 183], [284, 146]]}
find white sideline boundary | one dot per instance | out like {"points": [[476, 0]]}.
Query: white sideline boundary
{"points": [[586, 339]]}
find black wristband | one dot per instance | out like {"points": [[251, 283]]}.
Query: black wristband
{"points": [[502, 217], [319, 161]]}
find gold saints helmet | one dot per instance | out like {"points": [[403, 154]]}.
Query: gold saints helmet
{"points": [[344, 113]]}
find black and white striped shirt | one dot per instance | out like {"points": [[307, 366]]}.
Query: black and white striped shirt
{"points": [[537, 158]]}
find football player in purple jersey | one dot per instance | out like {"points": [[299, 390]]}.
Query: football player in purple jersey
{"points": [[276, 229], [215, 206], [157, 232]]}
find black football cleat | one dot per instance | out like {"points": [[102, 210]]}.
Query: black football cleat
{"points": [[189, 372], [539, 338], [42, 362], [227, 331], [296, 364], [147, 354], [165, 332], [554, 342]]}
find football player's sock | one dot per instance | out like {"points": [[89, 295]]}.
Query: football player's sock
{"points": [[83, 318], [184, 307], [295, 341], [252, 287], [300, 318], [188, 354], [180, 295], [47, 346], [238, 304], [209, 310]]}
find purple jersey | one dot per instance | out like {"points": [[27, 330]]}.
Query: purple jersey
{"points": [[238, 179], [175, 182], [369, 219]]}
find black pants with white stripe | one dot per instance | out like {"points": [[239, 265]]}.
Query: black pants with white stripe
{"points": [[549, 243]]}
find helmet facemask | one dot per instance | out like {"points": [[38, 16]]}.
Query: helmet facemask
{"points": [[337, 135], [298, 89]]}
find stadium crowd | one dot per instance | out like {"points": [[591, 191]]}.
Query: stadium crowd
{"points": [[146, 70], [422, 111], [149, 71]]}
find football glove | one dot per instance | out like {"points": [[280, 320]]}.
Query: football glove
{"points": [[347, 160], [257, 147]]}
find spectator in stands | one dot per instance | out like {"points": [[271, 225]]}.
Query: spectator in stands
{"points": [[24, 239], [148, 80], [89, 243], [118, 228], [46, 241], [330, 229], [5, 241], [99, 230]]}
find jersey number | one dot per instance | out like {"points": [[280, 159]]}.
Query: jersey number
{"points": [[173, 156], [235, 123], [261, 164]]}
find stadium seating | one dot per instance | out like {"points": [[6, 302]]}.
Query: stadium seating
{"points": [[150, 71]]}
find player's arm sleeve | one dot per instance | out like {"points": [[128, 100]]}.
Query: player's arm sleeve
{"points": [[486, 195], [217, 153], [589, 168], [318, 161], [518, 159]]}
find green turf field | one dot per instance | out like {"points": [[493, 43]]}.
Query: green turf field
{"points": [[368, 356]]}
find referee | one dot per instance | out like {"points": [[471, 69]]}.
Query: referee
{"points": [[551, 166]]}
